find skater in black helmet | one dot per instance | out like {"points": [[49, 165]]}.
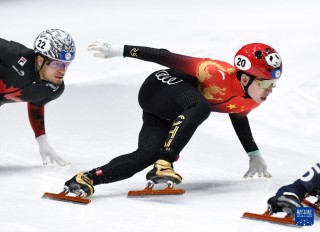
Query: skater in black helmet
{"points": [[36, 76], [177, 100], [289, 197]]}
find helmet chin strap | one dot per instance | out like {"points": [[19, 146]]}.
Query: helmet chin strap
{"points": [[246, 87], [43, 63], [38, 77]]}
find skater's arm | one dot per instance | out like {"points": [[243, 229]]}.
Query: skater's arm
{"points": [[36, 119], [186, 64], [242, 128], [257, 165], [36, 108], [182, 63]]}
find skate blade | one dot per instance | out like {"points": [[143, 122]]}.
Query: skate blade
{"points": [[63, 197], [316, 207], [157, 192], [269, 218]]}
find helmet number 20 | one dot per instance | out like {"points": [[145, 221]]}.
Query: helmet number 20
{"points": [[242, 62]]}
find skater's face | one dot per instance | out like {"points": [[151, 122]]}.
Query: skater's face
{"points": [[52, 70], [259, 89]]}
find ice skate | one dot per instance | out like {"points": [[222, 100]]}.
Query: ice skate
{"points": [[286, 203], [162, 172], [81, 185], [269, 217]]}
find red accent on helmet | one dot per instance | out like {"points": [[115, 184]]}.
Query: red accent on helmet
{"points": [[259, 60]]}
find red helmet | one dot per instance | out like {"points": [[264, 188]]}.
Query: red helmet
{"points": [[259, 60]]}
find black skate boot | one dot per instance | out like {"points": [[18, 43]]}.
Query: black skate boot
{"points": [[285, 203], [81, 184], [163, 172]]}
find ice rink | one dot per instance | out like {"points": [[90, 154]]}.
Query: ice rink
{"points": [[98, 116]]}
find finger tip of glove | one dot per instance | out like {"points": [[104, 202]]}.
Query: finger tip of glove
{"points": [[65, 164], [248, 177], [98, 55]]}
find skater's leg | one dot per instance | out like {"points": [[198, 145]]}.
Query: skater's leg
{"points": [[173, 95], [179, 101], [179, 135], [152, 136]]}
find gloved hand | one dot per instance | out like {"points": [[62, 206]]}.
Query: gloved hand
{"points": [[106, 50], [47, 151], [257, 165]]}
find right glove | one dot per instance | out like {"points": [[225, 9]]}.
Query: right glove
{"points": [[46, 151], [106, 50], [257, 165]]}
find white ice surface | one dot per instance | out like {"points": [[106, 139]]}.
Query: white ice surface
{"points": [[98, 116]]}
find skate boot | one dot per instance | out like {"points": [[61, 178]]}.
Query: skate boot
{"points": [[287, 203], [163, 172], [81, 184]]}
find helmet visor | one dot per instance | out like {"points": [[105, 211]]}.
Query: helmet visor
{"points": [[58, 64], [265, 84]]}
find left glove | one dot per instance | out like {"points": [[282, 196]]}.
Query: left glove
{"points": [[46, 151], [105, 50], [257, 165]]}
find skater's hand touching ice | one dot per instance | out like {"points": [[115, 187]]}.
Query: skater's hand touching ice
{"points": [[257, 165], [46, 151]]}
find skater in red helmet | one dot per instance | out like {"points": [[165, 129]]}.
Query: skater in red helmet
{"points": [[175, 101]]}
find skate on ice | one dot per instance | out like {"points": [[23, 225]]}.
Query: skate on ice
{"points": [[277, 204], [80, 186], [162, 172]]}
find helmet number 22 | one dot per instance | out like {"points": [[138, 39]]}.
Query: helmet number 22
{"points": [[41, 44]]}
